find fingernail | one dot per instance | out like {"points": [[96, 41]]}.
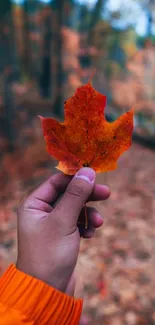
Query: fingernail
{"points": [[87, 174]]}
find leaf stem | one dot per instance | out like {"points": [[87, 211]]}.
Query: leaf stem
{"points": [[86, 217]]}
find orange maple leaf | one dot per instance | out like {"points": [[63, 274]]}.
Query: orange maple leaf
{"points": [[86, 138]]}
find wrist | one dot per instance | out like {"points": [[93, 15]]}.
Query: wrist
{"points": [[57, 278]]}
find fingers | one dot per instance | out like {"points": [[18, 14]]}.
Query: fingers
{"points": [[88, 233], [94, 221], [55, 186], [77, 193], [50, 190], [100, 193], [94, 218]]}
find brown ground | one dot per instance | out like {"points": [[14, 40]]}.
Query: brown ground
{"points": [[121, 257]]}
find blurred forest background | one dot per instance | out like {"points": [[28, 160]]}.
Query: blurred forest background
{"points": [[47, 50]]}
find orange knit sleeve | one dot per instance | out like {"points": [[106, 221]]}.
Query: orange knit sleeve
{"points": [[24, 300]]}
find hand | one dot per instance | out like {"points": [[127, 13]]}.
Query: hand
{"points": [[48, 235]]}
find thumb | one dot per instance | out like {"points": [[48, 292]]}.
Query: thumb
{"points": [[76, 194]]}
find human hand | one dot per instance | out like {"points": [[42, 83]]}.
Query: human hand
{"points": [[48, 235]]}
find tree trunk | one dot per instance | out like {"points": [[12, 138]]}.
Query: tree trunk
{"points": [[46, 72], [96, 14], [85, 56], [149, 22], [58, 59], [26, 55], [8, 71]]}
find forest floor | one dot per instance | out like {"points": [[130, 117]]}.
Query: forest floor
{"points": [[117, 265]]}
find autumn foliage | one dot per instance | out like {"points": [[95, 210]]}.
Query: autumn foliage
{"points": [[86, 138]]}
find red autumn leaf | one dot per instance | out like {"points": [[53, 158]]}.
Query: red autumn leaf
{"points": [[86, 138]]}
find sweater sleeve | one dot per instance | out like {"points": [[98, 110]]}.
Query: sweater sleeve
{"points": [[24, 300]]}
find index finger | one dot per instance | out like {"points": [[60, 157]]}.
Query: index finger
{"points": [[51, 190], [100, 193]]}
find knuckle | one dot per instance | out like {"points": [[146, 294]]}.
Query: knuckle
{"points": [[29, 203], [76, 191], [25, 205], [22, 203]]}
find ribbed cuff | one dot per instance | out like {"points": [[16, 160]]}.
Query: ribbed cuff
{"points": [[38, 301]]}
